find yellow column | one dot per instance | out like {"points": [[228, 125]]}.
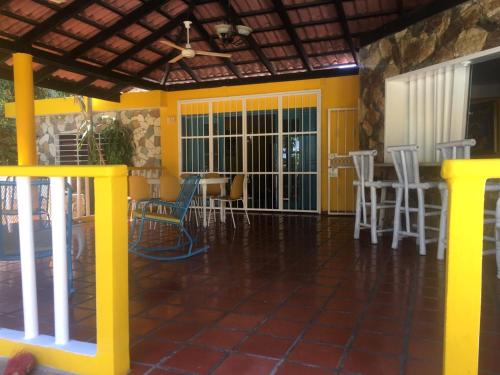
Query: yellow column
{"points": [[463, 271], [111, 241], [25, 109]]}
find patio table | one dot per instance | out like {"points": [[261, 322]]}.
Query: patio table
{"points": [[204, 182]]}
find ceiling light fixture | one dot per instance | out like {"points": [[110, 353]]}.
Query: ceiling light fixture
{"points": [[227, 32]]}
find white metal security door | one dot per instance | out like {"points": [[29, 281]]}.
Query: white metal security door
{"points": [[343, 136], [273, 139]]}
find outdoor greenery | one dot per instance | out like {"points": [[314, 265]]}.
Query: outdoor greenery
{"points": [[8, 149], [106, 139], [118, 143]]}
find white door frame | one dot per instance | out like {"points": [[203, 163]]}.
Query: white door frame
{"points": [[243, 98], [330, 156]]}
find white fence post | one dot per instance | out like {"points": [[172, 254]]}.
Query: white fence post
{"points": [[27, 251], [59, 259]]}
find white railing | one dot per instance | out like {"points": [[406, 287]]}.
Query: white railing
{"points": [[110, 355], [27, 250]]}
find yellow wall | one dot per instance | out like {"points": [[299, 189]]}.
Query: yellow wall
{"points": [[57, 106], [335, 92]]}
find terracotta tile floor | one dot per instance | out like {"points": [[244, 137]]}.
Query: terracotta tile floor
{"points": [[288, 295]]}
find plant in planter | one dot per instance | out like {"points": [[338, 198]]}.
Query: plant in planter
{"points": [[115, 144], [88, 131], [118, 144]]}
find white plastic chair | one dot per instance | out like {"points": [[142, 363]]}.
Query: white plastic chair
{"points": [[364, 165], [461, 150], [405, 160]]}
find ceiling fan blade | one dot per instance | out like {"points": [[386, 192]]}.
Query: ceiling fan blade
{"points": [[175, 59], [171, 44], [215, 54]]}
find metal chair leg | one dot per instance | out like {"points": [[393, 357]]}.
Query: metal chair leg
{"points": [[246, 212], [421, 222], [442, 223], [397, 218], [373, 214], [211, 211], [232, 216], [383, 197], [358, 213]]}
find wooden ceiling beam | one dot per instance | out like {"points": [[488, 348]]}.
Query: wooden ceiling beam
{"points": [[104, 34], [317, 22], [320, 73], [290, 28], [62, 62], [69, 87], [151, 38], [55, 20], [119, 25], [339, 7], [249, 39], [407, 19]]}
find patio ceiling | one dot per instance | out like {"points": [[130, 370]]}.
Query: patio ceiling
{"points": [[101, 48]]}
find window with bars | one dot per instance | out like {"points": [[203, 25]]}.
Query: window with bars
{"points": [[68, 152], [271, 139]]}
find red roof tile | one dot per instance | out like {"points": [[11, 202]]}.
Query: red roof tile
{"points": [[317, 41]]}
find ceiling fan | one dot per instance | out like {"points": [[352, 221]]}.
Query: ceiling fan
{"points": [[187, 51]]}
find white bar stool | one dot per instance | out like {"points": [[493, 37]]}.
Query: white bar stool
{"points": [[363, 164], [405, 159], [461, 150], [449, 151]]}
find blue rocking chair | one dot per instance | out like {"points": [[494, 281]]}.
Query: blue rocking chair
{"points": [[42, 233], [171, 214]]}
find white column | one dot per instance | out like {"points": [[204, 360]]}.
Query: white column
{"points": [[460, 101], [59, 259], [448, 96], [412, 111], [420, 112], [429, 140], [27, 250], [439, 100]]}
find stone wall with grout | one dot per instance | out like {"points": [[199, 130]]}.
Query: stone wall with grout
{"points": [[465, 29]]}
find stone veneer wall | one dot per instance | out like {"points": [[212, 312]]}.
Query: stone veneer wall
{"points": [[468, 28], [145, 124]]}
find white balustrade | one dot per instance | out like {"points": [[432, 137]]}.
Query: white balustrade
{"points": [[59, 260], [27, 251], [57, 212]]}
